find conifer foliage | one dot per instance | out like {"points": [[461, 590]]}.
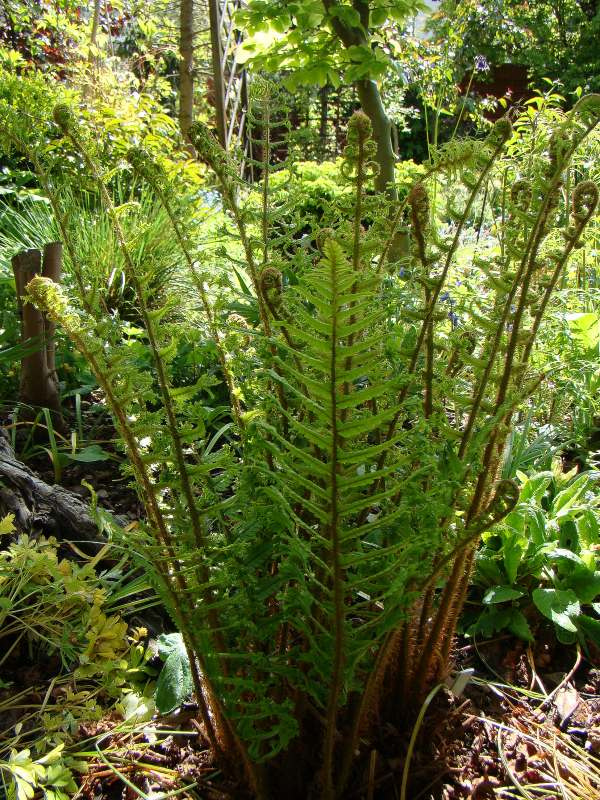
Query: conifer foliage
{"points": [[316, 564]]}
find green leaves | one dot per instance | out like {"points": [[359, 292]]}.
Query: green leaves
{"points": [[87, 455], [561, 607], [305, 42], [47, 774], [174, 685], [500, 594], [546, 550]]}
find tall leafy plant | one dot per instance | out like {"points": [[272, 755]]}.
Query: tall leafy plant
{"points": [[317, 564]]}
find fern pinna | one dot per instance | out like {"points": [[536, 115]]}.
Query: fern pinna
{"points": [[317, 563]]}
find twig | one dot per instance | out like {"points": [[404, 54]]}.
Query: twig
{"points": [[535, 678], [546, 703]]}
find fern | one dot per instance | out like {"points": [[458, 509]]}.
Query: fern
{"points": [[301, 561]]}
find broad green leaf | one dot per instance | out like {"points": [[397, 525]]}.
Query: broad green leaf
{"points": [[590, 627], [500, 594], [585, 583], [559, 553], [174, 684], [534, 488], [168, 643], [560, 606], [88, 455], [585, 328], [512, 555], [519, 625], [491, 621], [588, 529], [565, 500]]}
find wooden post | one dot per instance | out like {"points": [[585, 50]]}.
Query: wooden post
{"points": [[52, 268], [38, 383]]}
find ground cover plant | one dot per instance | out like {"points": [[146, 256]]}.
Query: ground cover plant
{"points": [[63, 618], [543, 555], [316, 564]]}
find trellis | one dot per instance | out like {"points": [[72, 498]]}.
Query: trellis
{"points": [[230, 82]]}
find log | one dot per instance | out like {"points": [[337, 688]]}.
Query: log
{"points": [[39, 507]]}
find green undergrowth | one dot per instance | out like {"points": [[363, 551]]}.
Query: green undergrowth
{"points": [[69, 659], [542, 562]]}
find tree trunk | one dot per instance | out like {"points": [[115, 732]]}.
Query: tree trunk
{"points": [[38, 506], [372, 105], [186, 66], [38, 383], [369, 94], [95, 26], [217, 56], [323, 121]]}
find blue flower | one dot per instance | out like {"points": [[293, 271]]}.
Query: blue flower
{"points": [[454, 319], [481, 64], [445, 296]]}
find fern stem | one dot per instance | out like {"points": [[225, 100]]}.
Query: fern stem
{"points": [[369, 700], [152, 339], [579, 225], [431, 648], [527, 267], [334, 535], [155, 516], [455, 612], [266, 152], [428, 316], [197, 527], [356, 249]]}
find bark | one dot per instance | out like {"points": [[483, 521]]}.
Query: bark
{"points": [[186, 66], [95, 26]]}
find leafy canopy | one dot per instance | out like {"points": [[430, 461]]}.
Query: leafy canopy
{"points": [[303, 38]]}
